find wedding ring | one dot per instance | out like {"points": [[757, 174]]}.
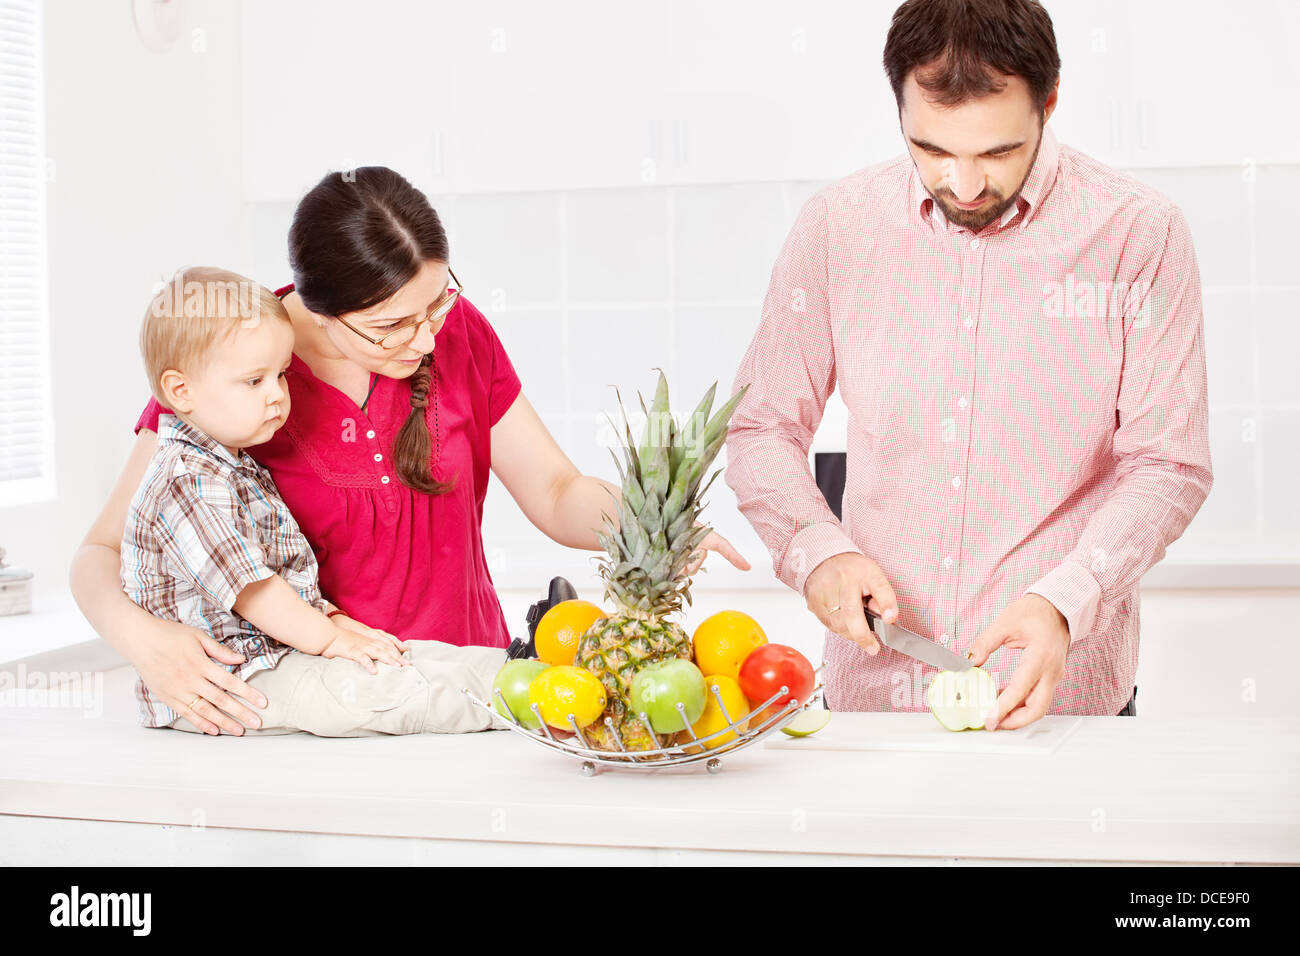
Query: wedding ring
{"points": [[832, 610], [197, 698]]}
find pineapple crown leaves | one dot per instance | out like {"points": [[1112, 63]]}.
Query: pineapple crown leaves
{"points": [[661, 500]]}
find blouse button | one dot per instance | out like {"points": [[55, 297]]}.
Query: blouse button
{"points": [[384, 479], [378, 457], [371, 433]]}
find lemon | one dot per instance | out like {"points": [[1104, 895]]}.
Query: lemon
{"points": [[563, 690], [723, 641], [560, 629], [713, 719]]}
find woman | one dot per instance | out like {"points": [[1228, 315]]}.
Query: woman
{"points": [[403, 398]]}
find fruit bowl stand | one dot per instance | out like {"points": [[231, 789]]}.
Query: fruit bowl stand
{"points": [[661, 757]]}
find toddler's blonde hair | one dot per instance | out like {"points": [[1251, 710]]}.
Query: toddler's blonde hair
{"points": [[196, 309]]}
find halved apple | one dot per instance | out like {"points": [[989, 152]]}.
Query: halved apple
{"points": [[960, 700], [808, 722]]}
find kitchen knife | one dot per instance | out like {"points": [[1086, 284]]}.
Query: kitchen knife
{"points": [[914, 645]]}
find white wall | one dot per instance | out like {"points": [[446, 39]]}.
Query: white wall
{"points": [[146, 177]]}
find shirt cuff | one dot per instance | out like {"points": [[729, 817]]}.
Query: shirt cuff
{"points": [[1074, 592], [810, 547]]}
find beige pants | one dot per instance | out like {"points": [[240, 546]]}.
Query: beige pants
{"points": [[334, 697]]}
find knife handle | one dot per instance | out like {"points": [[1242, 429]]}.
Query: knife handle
{"points": [[872, 616]]}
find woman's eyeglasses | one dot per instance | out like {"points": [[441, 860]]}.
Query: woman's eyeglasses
{"points": [[397, 337]]}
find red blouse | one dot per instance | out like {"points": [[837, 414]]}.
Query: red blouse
{"points": [[392, 557]]}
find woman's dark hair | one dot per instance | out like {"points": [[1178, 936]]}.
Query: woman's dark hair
{"points": [[356, 239], [967, 44]]}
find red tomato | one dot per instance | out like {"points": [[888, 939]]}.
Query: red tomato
{"points": [[769, 668]]}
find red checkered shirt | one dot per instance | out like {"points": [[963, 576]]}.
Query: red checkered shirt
{"points": [[202, 526], [1027, 413]]}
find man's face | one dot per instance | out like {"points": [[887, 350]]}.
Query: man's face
{"points": [[238, 396], [974, 158]]}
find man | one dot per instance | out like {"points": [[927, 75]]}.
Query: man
{"points": [[1016, 332]]}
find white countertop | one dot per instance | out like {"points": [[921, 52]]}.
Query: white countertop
{"points": [[1117, 789]]}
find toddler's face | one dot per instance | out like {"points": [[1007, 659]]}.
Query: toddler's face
{"points": [[239, 397]]}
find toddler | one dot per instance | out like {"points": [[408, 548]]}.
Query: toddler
{"points": [[210, 543]]}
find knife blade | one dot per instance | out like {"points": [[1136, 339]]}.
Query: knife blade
{"points": [[914, 645]]}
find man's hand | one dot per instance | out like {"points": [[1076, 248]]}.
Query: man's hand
{"points": [[1031, 622], [834, 592]]}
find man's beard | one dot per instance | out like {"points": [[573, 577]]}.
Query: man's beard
{"points": [[977, 219]]}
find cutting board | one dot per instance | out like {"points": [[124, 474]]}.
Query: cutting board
{"points": [[921, 732]]}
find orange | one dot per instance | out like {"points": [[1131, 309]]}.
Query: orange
{"points": [[563, 690], [713, 719], [723, 641], [560, 629]]}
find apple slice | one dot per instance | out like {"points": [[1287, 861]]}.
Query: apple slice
{"points": [[959, 700], [808, 722]]}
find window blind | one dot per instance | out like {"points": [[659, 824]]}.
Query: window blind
{"points": [[26, 427]]}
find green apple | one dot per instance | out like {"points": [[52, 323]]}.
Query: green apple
{"points": [[808, 722], [656, 689], [960, 699], [513, 680]]}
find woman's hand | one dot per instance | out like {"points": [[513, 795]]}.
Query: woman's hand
{"points": [[179, 664], [714, 542], [365, 645]]}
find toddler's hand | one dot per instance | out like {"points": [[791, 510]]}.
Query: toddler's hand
{"points": [[366, 648], [347, 623]]}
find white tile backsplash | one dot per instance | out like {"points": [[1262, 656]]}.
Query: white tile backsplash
{"points": [[1277, 211], [711, 341], [1277, 317], [1214, 202], [616, 348], [1280, 452], [534, 340], [618, 245], [725, 239], [508, 249], [1230, 346], [1229, 515]]}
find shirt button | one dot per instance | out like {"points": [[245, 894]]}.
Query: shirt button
{"points": [[969, 322], [956, 482], [384, 479], [974, 243], [378, 457], [961, 402], [371, 433], [947, 561], [943, 638]]}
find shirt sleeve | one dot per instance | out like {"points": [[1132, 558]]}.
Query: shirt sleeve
{"points": [[1161, 445], [149, 417], [790, 370], [209, 538]]}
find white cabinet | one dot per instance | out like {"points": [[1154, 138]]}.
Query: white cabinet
{"points": [[1212, 82]]}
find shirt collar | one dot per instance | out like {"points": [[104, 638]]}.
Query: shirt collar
{"points": [[173, 428], [1027, 204]]}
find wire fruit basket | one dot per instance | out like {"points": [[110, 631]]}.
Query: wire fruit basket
{"points": [[691, 751]]}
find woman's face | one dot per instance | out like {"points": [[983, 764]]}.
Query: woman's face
{"points": [[411, 302]]}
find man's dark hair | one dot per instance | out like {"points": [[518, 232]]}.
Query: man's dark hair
{"points": [[966, 46]]}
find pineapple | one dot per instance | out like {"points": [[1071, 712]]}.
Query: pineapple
{"points": [[654, 540]]}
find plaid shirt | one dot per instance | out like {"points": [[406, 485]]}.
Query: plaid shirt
{"points": [[1027, 413], [203, 526]]}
